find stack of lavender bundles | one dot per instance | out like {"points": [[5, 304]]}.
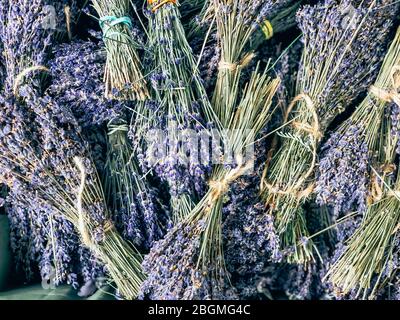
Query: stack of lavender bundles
{"points": [[131, 140], [328, 81], [366, 144], [55, 192]]}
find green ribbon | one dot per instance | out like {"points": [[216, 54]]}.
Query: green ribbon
{"points": [[108, 22]]}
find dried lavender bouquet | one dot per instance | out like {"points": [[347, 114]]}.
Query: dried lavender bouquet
{"points": [[123, 72], [189, 262], [270, 18], [365, 262], [56, 171], [133, 203], [344, 178], [72, 189], [328, 81], [180, 104], [138, 212]]}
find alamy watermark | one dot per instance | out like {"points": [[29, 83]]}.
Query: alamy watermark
{"points": [[49, 17], [200, 147]]}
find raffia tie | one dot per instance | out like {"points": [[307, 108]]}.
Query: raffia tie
{"points": [[67, 12], [158, 6], [219, 187], [389, 95], [24, 73], [113, 128], [376, 192], [83, 230], [314, 131], [234, 66]]}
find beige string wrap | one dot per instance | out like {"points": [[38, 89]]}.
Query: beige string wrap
{"points": [[219, 187], [315, 134], [67, 12], [234, 66], [376, 192], [391, 95], [24, 73], [83, 230]]}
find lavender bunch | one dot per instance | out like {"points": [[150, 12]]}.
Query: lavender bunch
{"points": [[55, 164], [328, 81], [359, 142], [249, 237], [138, 212], [342, 180], [269, 18], [236, 20], [123, 71], [133, 203], [180, 105], [353, 271], [197, 240], [48, 169], [40, 237]]}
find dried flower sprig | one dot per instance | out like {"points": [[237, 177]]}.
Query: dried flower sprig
{"points": [[123, 75]]}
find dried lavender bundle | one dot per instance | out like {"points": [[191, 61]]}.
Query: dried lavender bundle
{"points": [[189, 262], [75, 193], [139, 213], [249, 236], [353, 271], [133, 204], [236, 21], [328, 81], [181, 104], [367, 262], [273, 17], [123, 72], [344, 176], [47, 136]]}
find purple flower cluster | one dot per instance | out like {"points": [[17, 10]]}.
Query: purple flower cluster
{"points": [[146, 219], [40, 237], [250, 238], [77, 81], [342, 178], [172, 272]]}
